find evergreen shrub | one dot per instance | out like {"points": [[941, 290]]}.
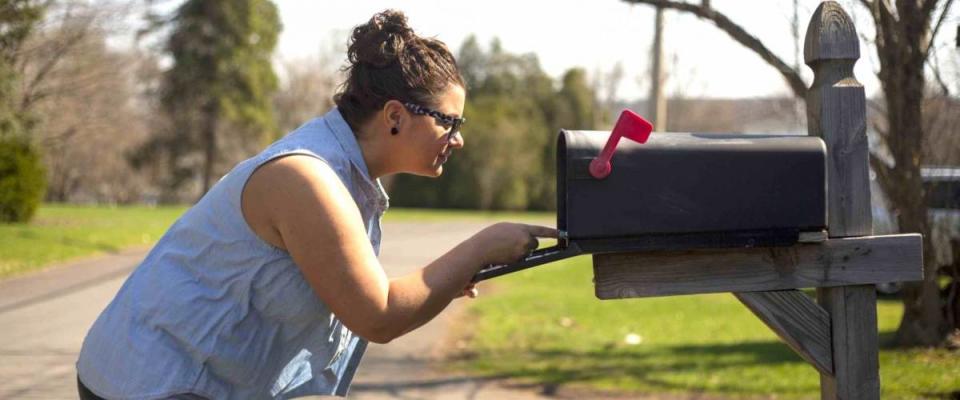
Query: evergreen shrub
{"points": [[22, 180]]}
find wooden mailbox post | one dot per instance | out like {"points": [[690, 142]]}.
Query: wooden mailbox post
{"points": [[837, 334]]}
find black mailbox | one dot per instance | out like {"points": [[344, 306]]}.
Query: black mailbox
{"points": [[684, 191], [692, 190]]}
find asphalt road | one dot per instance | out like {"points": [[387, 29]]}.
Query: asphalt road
{"points": [[45, 315]]}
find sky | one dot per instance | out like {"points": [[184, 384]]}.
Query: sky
{"points": [[594, 35]]}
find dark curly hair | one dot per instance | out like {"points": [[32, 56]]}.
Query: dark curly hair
{"points": [[388, 61]]}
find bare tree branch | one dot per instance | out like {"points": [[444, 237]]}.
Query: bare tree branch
{"points": [[886, 21], [70, 31], [888, 9], [871, 6], [881, 131], [56, 139], [936, 28], [928, 6], [64, 47], [881, 168], [876, 106], [935, 67], [737, 33]]}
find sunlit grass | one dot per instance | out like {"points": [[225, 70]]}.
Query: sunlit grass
{"points": [[544, 326], [64, 232]]}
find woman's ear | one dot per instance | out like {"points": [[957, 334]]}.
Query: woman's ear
{"points": [[393, 113]]}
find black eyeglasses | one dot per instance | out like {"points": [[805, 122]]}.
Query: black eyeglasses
{"points": [[444, 119]]}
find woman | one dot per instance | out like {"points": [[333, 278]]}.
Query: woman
{"points": [[269, 287]]}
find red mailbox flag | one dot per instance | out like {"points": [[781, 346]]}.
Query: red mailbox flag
{"points": [[629, 125]]}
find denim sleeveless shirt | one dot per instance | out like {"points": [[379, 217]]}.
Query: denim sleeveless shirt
{"points": [[216, 311]]}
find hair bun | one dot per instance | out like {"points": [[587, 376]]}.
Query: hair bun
{"points": [[381, 40]]}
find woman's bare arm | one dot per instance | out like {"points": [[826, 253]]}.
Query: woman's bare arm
{"points": [[299, 204]]}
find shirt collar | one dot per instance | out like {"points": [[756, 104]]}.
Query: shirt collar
{"points": [[348, 141]]}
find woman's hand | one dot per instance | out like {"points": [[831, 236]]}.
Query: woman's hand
{"points": [[470, 291], [505, 242]]}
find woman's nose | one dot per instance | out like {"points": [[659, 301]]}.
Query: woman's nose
{"points": [[456, 141]]}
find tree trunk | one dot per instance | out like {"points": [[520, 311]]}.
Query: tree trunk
{"points": [[899, 44]]}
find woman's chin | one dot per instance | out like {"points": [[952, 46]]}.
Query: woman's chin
{"points": [[437, 168], [430, 172]]}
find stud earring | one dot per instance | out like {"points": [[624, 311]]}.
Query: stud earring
{"points": [[394, 131]]}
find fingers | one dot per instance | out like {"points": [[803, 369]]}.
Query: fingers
{"points": [[532, 244], [470, 291], [506, 242], [542, 231]]}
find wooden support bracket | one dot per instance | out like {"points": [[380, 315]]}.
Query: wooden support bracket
{"points": [[798, 320]]}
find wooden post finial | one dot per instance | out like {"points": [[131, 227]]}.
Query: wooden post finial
{"points": [[830, 35]]}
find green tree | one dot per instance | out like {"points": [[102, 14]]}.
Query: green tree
{"points": [[22, 178], [578, 99], [217, 94], [18, 18], [514, 112]]}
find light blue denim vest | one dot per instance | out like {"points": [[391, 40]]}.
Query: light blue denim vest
{"points": [[216, 311]]}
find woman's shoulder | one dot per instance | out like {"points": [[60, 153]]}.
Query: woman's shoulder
{"points": [[314, 138]]}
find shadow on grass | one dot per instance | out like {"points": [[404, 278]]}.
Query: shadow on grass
{"points": [[955, 395], [666, 369], [90, 245]]}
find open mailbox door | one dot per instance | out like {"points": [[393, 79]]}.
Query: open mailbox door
{"points": [[682, 191]]}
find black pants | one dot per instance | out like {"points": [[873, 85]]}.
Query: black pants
{"points": [[86, 394]]}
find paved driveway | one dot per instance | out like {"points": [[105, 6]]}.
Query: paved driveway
{"points": [[44, 316]]}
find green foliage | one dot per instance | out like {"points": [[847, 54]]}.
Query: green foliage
{"points": [[514, 113], [217, 94], [11, 121], [22, 179], [17, 20], [222, 58], [22, 176]]}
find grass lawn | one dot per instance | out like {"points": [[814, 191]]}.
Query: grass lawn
{"points": [[63, 232], [544, 326]]}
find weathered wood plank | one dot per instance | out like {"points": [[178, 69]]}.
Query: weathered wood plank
{"points": [[836, 112], [834, 262], [853, 319], [798, 320]]}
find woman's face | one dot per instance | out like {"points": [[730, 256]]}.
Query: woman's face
{"points": [[430, 146]]}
